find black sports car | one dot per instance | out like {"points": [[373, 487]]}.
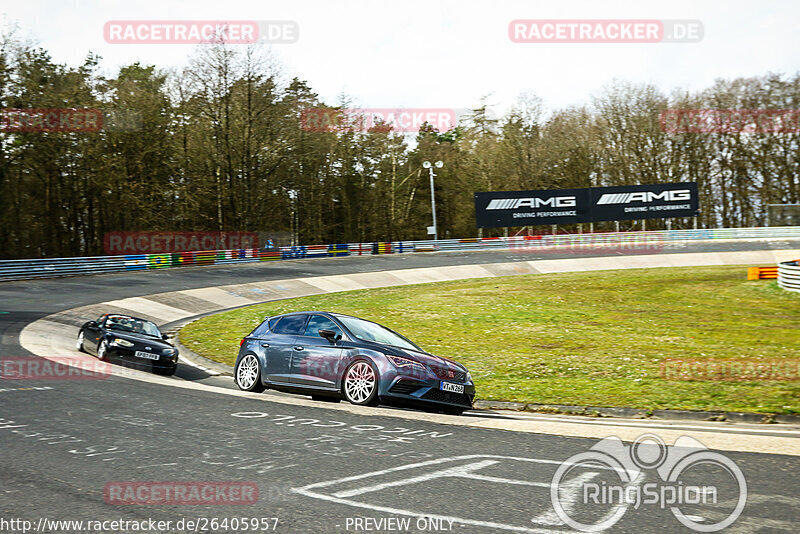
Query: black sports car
{"points": [[333, 356], [131, 339]]}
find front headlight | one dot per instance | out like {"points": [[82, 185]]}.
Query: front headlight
{"points": [[405, 363], [121, 342], [469, 377], [169, 352]]}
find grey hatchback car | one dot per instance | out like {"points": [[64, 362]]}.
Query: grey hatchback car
{"points": [[331, 356]]}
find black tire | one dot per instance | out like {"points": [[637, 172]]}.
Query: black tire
{"points": [[454, 411], [247, 374], [102, 350], [79, 341], [360, 384], [325, 398], [165, 371]]}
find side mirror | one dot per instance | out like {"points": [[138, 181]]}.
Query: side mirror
{"points": [[330, 335], [164, 337], [91, 324]]}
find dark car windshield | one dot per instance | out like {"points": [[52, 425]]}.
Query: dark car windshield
{"points": [[131, 325], [369, 331]]}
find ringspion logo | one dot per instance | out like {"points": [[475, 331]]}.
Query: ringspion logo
{"points": [[591, 491]]}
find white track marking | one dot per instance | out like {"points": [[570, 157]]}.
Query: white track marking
{"points": [[656, 424]]}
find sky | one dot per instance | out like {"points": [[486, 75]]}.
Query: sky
{"points": [[443, 53]]}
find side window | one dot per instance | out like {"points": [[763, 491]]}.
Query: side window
{"points": [[320, 322], [291, 325], [261, 329]]}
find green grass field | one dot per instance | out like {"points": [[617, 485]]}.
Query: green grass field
{"points": [[592, 338]]}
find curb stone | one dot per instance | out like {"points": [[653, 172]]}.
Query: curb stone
{"points": [[638, 413]]}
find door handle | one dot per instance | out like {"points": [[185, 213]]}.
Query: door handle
{"points": [[265, 345], [298, 348]]}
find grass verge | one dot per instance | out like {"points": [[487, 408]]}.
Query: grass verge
{"points": [[589, 338]]}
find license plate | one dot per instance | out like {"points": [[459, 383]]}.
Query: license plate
{"points": [[452, 388], [146, 355]]}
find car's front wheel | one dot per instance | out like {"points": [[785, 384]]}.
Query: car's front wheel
{"points": [[360, 384], [248, 374], [102, 350]]}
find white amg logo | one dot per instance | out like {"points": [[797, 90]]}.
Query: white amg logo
{"points": [[534, 202], [645, 196]]}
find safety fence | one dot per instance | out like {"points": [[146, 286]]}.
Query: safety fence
{"points": [[623, 242], [789, 275]]}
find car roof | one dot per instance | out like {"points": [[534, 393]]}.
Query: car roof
{"points": [[317, 312]]}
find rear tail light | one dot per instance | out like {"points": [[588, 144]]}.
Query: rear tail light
{"points": [[241, 342]]}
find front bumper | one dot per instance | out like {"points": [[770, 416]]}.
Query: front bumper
{"points": [[428, 392], [128, 356]]}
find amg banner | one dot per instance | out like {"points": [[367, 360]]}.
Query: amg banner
{"points": [[570, 206]]}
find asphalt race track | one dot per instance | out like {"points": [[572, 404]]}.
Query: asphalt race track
{"points": [[67, 445]]}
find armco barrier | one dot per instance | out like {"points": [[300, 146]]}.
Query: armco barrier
{"points": [[789, 275], [624, 241]]}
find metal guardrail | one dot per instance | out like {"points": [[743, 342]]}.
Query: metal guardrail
{"points": [[630, 242], [789, 275]]}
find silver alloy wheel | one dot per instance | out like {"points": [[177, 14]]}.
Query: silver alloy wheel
{"points": [[247, 373], [359, 383], [101, 350], [79, 342]]}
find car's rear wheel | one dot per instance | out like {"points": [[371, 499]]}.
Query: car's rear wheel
{"points": [[102, 350], [360, 384], [79, 342], [248, 374]]}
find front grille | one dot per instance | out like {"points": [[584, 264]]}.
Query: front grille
{"points": [[406, 387], [448, 374], [448, 396]]}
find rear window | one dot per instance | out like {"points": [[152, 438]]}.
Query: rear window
{"points": [[291, 325], [261, 329]]}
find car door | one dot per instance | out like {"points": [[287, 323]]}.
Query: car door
{"points": [[279, 345], [315, 360], [91, 334]]}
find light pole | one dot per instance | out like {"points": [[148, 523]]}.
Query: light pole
{"points": [[293, 222], [438, 165]]}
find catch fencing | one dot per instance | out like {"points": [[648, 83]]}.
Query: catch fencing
{"points": [[623, 242]]}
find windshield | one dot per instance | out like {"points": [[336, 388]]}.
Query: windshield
{"points": [[369, 331], [134, 326]]}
